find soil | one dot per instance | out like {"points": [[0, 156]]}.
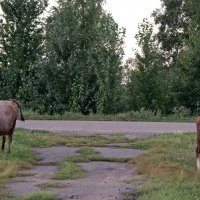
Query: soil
{"points": [[102, 180]]}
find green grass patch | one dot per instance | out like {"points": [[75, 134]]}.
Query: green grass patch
{"points": [[176, 188], [87, 154], [38, 196], [169, 166], [68, 170], [47, 185]]}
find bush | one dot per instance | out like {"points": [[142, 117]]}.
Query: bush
{"points": [[181, 112]]}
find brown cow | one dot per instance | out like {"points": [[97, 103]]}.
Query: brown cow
{"points": [[8, 116], [198, 143]]}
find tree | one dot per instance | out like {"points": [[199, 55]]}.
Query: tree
{"points": [[189, 91], [146, 82], [83, 51], [172, 20], [21, 39]]}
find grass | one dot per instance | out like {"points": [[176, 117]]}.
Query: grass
{"points": [[47, 185], [23, 140], [22, 156], [68, 170], [37, 196], [144, 115], [169, 168], [167, 171]]}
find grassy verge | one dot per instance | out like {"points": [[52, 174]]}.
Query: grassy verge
{"points": [[169, 168], [142, 115]]}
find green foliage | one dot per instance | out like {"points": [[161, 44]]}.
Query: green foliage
{"points": [[145, 86], [166, 72], [189, 60], [181, 112], [81, 65], [21, 35], [172, 20]]}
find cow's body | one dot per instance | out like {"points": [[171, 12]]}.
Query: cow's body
{"points": [[8, 116]]}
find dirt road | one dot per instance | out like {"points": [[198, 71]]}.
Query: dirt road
{"points": [[134, 129]]}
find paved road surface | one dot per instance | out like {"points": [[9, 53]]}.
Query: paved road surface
{"points": [[134, 129]]}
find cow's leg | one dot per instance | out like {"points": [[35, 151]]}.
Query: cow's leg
{"points": [[198, 163], [3, 142], [10, 137], [198, 157], [9, 143]]}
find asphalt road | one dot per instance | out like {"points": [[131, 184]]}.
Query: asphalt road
{"points": [[133, 129]]}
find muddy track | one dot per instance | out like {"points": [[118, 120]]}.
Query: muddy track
{"points": [[102, 180]]}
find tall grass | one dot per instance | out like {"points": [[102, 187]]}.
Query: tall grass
{"points": [[142, 114]]}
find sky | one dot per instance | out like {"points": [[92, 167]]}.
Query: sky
{"points": [[128, 13]]}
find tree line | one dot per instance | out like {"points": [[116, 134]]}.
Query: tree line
{"points": [[71, 59]]}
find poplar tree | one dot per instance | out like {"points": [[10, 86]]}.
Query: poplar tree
{"points": [[21, 38]]}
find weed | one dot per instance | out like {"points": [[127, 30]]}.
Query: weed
{"points": [[37, 196], [51, 185]]}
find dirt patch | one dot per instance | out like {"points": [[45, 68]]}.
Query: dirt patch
{"points": [[118, 152], [27, 184], [56, 153], [102, 180]]}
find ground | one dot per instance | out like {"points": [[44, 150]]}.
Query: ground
{"points": [[102, 180]]}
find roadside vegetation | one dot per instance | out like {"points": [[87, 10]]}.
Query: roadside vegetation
{"points": [[180, 115], [168, 169]]}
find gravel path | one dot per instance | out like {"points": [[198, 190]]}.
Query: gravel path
{"points": [[133, 129]]}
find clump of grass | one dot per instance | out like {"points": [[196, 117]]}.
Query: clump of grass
{"points": [[87, 154], [68, 170], [5, 193], [47, 185], [38, 196], [8, 169]]}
